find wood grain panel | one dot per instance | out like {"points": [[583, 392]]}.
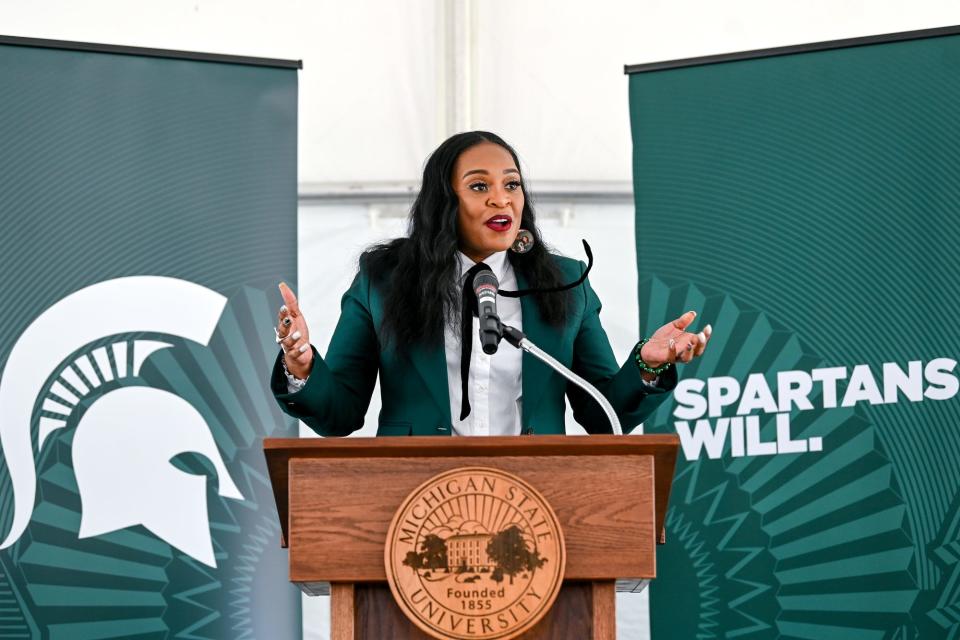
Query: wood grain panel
{"points": [[604, 608], [340, 509], [342, 618], [663, 449]]}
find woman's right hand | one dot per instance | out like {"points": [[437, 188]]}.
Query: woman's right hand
{"points": [[294, 335]]}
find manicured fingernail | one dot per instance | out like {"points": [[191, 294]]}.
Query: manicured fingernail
{"points": [[702, 336], [707, 330], [693, 312], [282, 285], [295, 335], [303, 348]]}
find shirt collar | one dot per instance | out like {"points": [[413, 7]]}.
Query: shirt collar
{"points": [[497, 262]]}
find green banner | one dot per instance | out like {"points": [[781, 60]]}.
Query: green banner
{"points": [[149, 208], [807, 206]]}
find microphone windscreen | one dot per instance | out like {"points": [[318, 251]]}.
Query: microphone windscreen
{"points": [[485, 278]]}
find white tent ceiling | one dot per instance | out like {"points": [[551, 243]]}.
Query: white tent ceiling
{"points": [[385, 81]]}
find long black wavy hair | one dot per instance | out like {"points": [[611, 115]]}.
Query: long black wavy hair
{"points": [[418, 274]]}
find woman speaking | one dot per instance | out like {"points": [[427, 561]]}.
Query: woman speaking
{"points": [[403, 318]]}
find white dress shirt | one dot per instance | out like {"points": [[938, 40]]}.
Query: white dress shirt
{"points": [[494, 388]]}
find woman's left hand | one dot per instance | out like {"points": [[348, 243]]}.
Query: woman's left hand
{"points": [[673, 343]]}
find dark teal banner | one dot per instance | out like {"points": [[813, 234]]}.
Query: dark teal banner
{"points": [[807, 206], [148, 209]]}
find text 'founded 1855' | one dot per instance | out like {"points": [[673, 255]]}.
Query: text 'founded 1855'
{"points": [[475, 554]]}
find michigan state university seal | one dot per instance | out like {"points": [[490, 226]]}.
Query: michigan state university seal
{"points": [[475, 553]]}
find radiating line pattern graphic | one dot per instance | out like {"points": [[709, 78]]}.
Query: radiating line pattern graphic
{"points": [[129, 583], [812, 545], [86, 374]]}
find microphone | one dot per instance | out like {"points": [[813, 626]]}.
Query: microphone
{"points": [[485, 286]]}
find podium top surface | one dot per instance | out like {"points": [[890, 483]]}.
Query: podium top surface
{"points": [[663, 449], [532, 445]]}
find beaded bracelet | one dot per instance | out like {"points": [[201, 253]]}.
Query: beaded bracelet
{"points": [[297, 383], [643, 366]]}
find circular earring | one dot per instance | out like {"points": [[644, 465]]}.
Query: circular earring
{"points": [[523, 243]]}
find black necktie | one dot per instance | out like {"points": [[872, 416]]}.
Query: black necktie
{"points": [[468, 310]]}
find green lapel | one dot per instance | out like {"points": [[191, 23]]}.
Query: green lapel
{"points": [[431, 364], [535, 373]]}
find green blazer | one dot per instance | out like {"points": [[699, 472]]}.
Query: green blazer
{"points": [[413, 383]]}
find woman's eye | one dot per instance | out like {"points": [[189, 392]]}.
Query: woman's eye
{"points": [[478, 186], [513, 185]]}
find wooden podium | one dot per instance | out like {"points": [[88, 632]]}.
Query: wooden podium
{"points": [[336, 498]]}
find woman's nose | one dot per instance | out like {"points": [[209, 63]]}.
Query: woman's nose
{"points": [[499, 198]]}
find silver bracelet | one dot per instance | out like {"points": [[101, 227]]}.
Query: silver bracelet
{"points": [[299, 383]]}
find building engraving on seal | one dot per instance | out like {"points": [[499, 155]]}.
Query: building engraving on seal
{"points": [[469, 550], [475, 553]]}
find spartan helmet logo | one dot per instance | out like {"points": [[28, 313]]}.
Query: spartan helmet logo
{"points": [[126, 439]]}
